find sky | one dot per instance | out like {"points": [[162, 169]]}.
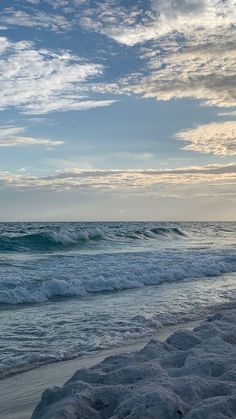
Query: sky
{"points": [[117, 110]]}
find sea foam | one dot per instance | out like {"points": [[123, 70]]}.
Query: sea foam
{"points": [[91, 274]]}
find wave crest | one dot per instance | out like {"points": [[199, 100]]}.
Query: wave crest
{"points": [[48, 241], [67, 238], [107, 273]]}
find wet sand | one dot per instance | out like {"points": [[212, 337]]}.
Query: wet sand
{"points": [[19, 394]]}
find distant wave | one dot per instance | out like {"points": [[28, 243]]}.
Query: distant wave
{"points": [[59, 239], [154, 233], [48, 240]]}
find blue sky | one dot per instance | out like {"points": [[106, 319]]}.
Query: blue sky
{"points": [[117, 110]]}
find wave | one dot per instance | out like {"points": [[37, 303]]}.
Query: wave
{"points": [[68, 238], [48, 240], [150, 326], [108, 273]]}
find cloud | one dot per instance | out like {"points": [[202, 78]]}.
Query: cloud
{"points": [[203, 178], [201, 69], [4, 44], [217, 138], [187, 47], [229, 113], [173, 8], [33, 1], [132, 25], [11, 137], [42, 81], [204, 68], [38, 19], [65, 5]]}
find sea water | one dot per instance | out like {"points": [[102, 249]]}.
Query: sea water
{"points": [[67, 289]]}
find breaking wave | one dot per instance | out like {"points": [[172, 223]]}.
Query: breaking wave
{"points": [[68, 238], [48, 241], [107, 273]]}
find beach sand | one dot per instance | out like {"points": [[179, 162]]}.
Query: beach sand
{"points": [[191, 375], [19, 394]]}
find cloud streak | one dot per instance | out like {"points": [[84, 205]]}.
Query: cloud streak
{"points": [[138, 181], [11, 137]]}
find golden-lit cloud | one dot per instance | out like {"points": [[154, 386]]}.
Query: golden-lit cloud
{"points": [[216, 138], [139, 181]]}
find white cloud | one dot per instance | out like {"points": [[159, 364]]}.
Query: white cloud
{"points": [[4, 44], [66, 5], [203, 68], [39, 19], [11, 137], [188, 48], [218, 138], [133, 25], [42, 81]]}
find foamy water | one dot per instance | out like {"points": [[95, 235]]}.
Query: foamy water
{"points": [[71, 288]]}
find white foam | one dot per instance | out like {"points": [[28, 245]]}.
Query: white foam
{"points": [[67, 236], [47, 291], [120, 271]]}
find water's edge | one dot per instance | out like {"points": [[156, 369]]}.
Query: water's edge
{"points": [[20, 393]]}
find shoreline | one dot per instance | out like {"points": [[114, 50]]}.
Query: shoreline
{"points": [[20, 393], [190, 375]]}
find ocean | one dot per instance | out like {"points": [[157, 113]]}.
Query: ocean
{"points": [[67, 289]]}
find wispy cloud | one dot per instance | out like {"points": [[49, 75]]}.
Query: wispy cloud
{"points": [[37, 19], [42, 81], [57, 4], [33, 1], [229, 113], [216, 138], [12, 137], [138, 181]]}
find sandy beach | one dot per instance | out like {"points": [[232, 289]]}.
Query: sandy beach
{"points": [[19, 394], [190, 375]]}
